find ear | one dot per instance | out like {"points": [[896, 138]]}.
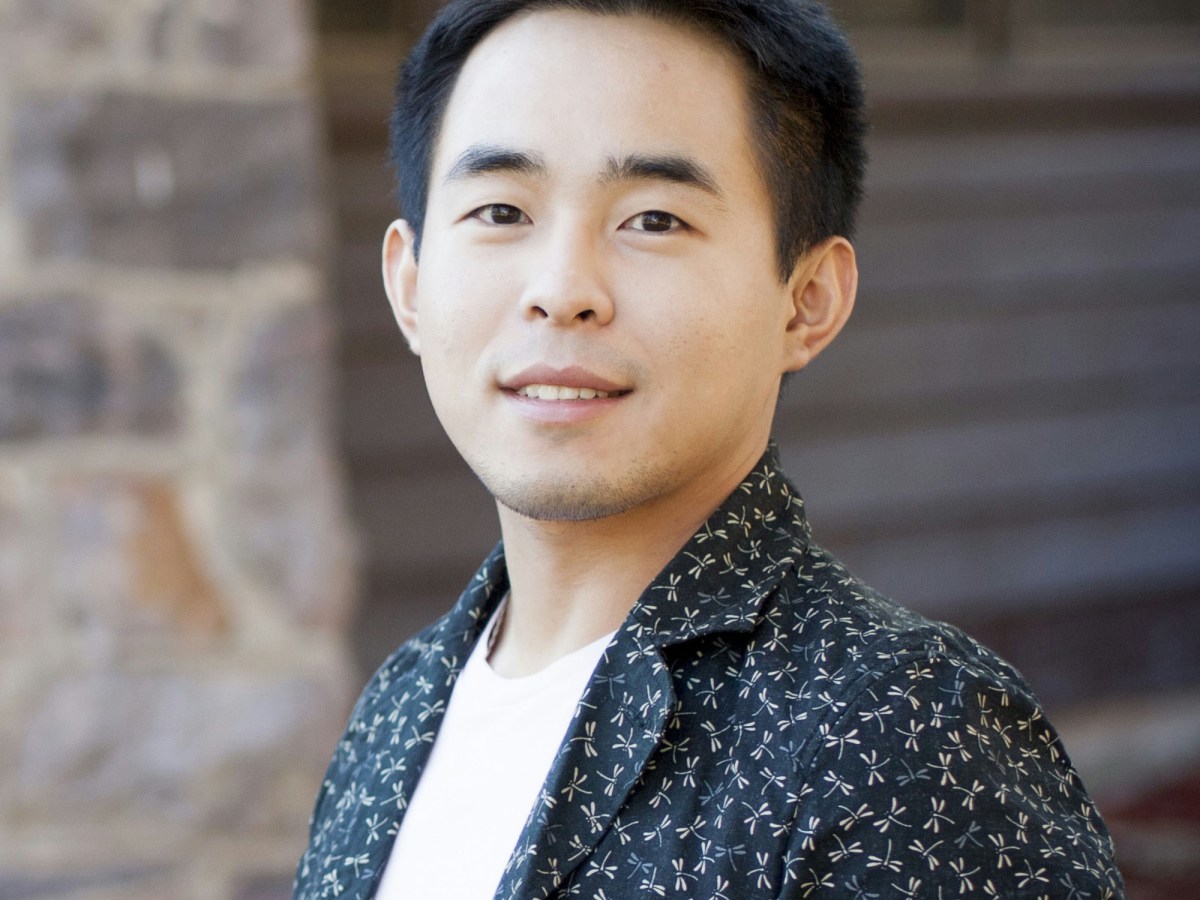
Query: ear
{"points": [[822, 291], [400, 279]]}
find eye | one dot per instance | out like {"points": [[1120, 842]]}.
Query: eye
{"points": [[655, 221], [500, 214]]}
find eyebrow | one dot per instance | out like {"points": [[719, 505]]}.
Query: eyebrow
{"points": [[488, 159], [662, 167]]}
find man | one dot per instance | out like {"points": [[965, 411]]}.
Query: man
{"points": [[627, 220]]}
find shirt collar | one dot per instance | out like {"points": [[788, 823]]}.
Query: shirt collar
{"points": [[719, 579], [716, 583]]}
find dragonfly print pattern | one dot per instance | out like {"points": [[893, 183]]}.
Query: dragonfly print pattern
{"points": [[763, 725]]}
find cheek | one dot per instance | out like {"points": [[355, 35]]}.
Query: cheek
{"points": [[448, 311], [721, 317]]}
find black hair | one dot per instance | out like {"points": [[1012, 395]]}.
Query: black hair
{"points": [[807, 125]]}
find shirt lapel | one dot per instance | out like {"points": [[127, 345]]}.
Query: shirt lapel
{"points": [[617, 727], [717, 583], [392, 732]]}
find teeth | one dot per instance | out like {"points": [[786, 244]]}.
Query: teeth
{"points": [[558, 392]]}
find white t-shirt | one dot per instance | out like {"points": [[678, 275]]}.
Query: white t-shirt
{"points": [[491, 756]]}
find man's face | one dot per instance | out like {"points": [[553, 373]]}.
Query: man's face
{"points": [[597, 304]]}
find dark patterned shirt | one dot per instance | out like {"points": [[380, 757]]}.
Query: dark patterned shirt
{"points": [[763, 725]]}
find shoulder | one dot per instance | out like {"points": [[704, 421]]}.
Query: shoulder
{"points": [[931, 754], [873, 658], [821, 607]]}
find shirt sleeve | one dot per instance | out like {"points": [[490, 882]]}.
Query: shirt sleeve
{"points": [[943, 778]]}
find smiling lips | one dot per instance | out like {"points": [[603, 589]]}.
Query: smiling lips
{"points": [[572, 384], [541, 396], [561, 392]]}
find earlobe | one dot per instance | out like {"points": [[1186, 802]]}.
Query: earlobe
{"points": [[400, 279], [823, 288]]}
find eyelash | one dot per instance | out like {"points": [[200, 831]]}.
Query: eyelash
{"points": [[482, 213], [675, 223]]}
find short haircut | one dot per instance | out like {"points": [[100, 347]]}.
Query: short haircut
{"points": [[807, 123]]}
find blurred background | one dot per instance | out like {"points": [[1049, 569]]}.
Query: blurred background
{"points": [[224, 497]]}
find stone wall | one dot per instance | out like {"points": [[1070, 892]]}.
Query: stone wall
{"points": [[176, 566]]}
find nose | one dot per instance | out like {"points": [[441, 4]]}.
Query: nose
{"points": [[567, 285]]}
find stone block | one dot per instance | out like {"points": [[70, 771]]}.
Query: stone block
{"points": [[253, 33], [285, 515], [126, 883], [63, 373], [282, 395], [173, 183], [265, 887], [18, 602], [61, 30], [235, 751], [258, 35], [126, 563]]}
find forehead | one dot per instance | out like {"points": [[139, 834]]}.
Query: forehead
{"points": [[574, 85]]}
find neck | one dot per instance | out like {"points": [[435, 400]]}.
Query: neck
{"points": [[571, 583]]}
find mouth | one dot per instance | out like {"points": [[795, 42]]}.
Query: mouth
{"points": [[556, 397], [563, 392], [573, 384]]}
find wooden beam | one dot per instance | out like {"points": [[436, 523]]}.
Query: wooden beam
{"points": [[992, 24]]}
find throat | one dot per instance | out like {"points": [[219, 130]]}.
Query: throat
{"points": [[521, 645]]}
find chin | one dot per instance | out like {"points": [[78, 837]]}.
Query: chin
{"points": [[580, 499]]}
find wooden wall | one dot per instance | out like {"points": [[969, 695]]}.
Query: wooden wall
{"points": [[1007, 435]]}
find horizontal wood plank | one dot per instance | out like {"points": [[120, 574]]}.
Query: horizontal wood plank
{"points": [[972, 574], [916, 256], [859, 477]]}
